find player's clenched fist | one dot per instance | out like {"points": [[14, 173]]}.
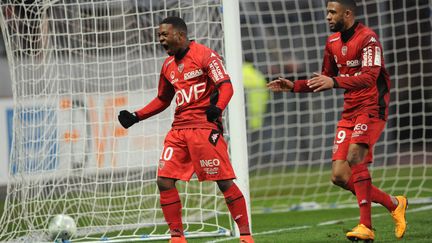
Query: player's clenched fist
{"points": [[213, 113], [127, 119], [280, 85]]}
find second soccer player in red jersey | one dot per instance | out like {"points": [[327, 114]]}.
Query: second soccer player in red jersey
{"points": [[195, 77], [353, 61]]}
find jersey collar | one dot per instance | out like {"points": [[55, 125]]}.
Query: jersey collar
{"points": [[180, 55], [347, 34]]}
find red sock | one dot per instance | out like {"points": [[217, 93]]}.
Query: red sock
{"points": [[172, 210], [237, 207], [382, 198], [363, 186], [377, 196]]}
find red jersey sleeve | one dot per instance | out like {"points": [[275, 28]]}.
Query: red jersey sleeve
{"points": [[371, 59], [301, 87], [225, 93], [215, 68], [161, 102]]}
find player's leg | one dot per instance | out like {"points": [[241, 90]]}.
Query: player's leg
{"points": [[362, 186], [237, 207], [396, 205], [209, 154], [341, 173], [174, 164], [361, 180], [171, 207], [377, 196], [341, 176], [357, 151]]}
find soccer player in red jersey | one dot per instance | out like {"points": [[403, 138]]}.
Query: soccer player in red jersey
{"points": [[195, 77], [353, 61]]}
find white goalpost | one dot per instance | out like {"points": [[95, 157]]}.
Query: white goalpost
{"points": [[74, 65]]}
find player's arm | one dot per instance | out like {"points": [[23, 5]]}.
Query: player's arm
{"points": [[371, 67], [323, 81], [224, 93], [329, 68], [317, 83], [160, 103], [281, 85], [224, 89]]}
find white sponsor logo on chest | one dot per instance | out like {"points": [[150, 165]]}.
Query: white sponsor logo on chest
{"points": [[353, 63], [192, 74]]}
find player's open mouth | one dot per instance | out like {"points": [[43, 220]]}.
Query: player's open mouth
{"points": [[168, 49]]}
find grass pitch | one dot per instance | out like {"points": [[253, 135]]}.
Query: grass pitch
{"points": [[330, 225]]}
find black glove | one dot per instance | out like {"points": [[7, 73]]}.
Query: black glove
{"points": [[127, 119], [213, 113]]}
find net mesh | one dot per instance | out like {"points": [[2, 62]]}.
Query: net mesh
{"points": [[290, 136], [75, 64]]}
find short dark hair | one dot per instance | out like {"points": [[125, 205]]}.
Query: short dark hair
{"points": [[177, 22], [349, 4]]}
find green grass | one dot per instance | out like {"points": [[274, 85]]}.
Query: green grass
{"points": [[288, 186], [303, 226], [280, 190], [286, 223]]}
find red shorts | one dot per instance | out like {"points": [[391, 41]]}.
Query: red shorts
{"points": [[362, 129], [203, 151]]}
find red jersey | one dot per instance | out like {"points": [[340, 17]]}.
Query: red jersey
{"points": [[357, 65], [192, 81]]}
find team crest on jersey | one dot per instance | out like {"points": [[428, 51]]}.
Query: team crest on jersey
{"points": [[344, 50], [180, 67]]}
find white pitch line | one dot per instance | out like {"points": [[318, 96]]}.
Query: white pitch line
{"points": [[265, 233], [331, 222]]}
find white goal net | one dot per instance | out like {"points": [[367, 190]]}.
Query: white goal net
{"points": [[290, 136], [75, 64]]}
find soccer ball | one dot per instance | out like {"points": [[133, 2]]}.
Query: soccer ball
{"points": [[62, 227]]}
